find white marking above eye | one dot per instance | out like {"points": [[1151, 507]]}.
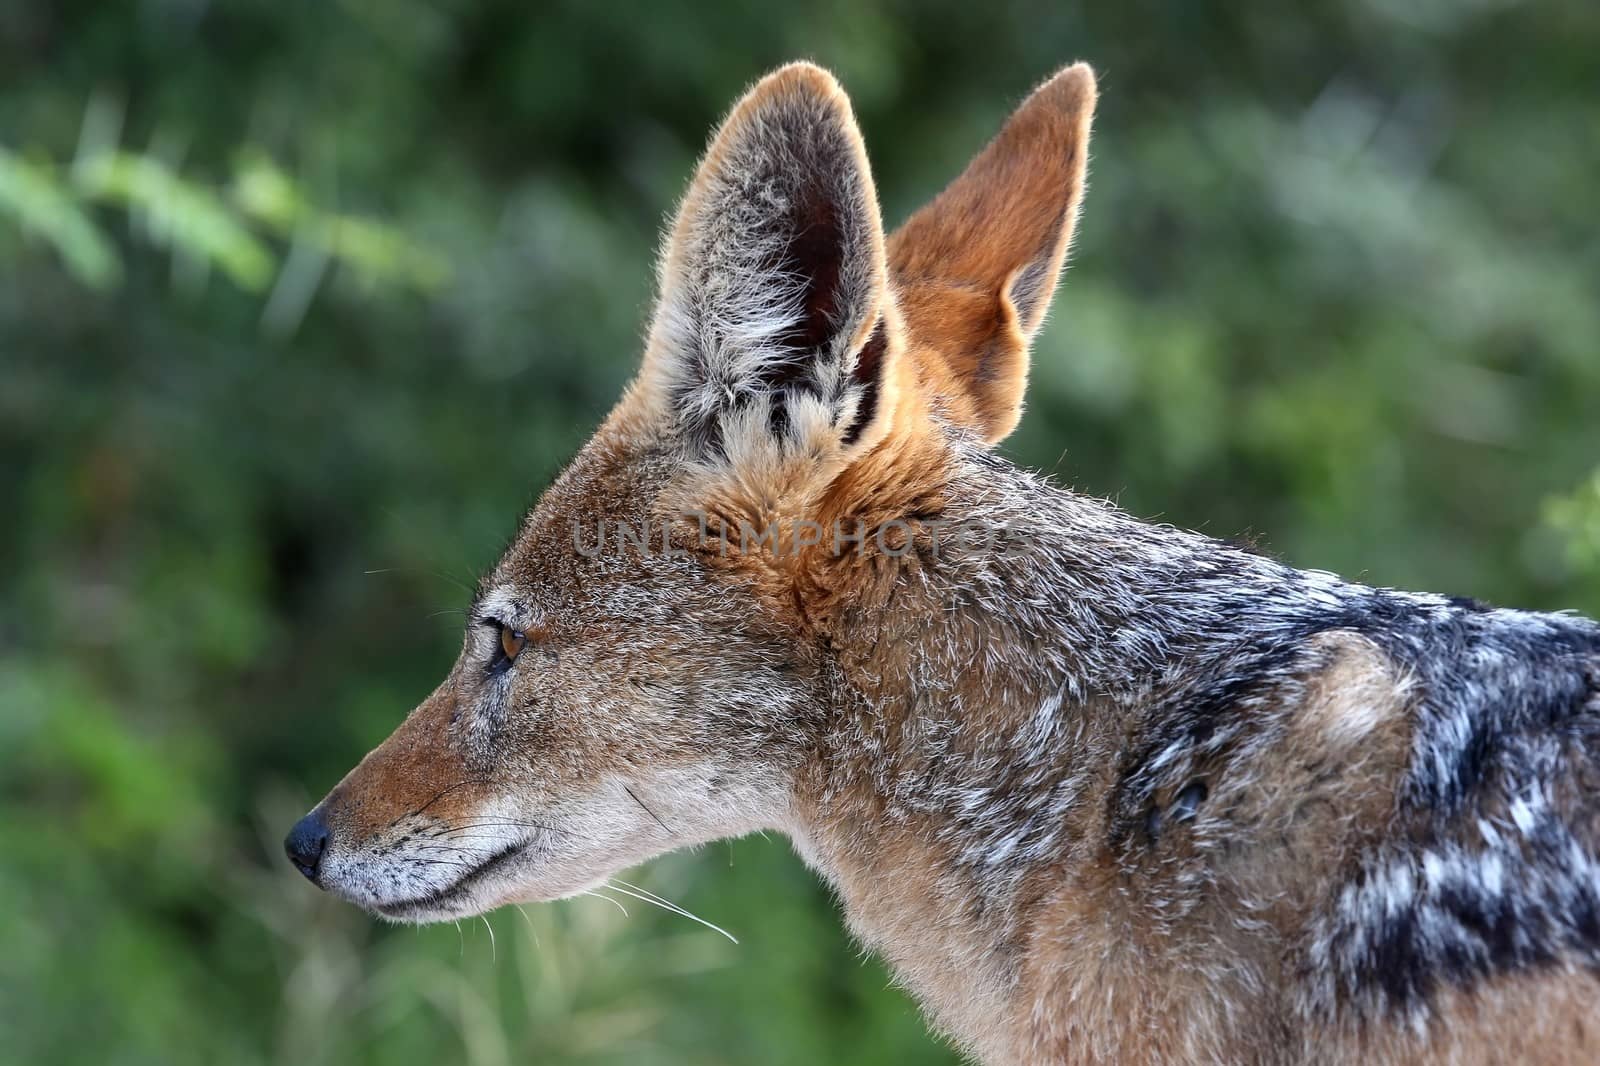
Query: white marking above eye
{"points": [[505, 606]]}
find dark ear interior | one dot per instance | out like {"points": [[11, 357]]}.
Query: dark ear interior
{"points": [[815, 255], [871, 367]]}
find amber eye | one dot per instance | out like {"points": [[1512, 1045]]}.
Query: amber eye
{"points": [[512, 642]]}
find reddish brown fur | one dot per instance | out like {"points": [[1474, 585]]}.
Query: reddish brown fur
{"points": [[955, 262]]}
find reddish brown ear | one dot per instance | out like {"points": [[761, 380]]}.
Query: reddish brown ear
{"points": [[974, 270]]}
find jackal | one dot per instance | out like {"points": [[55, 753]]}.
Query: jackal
{"points": [[1099, 790]]}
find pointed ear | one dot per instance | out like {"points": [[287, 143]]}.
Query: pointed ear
{"points": [[773, 332], [975, 269]]}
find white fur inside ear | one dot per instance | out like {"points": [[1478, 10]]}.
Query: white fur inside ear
{"points": [[714, 340]]}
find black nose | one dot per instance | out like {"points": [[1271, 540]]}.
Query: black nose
{"points": [[305, 844]]}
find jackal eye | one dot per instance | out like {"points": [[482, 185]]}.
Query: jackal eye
{"points": [[512, 641]]}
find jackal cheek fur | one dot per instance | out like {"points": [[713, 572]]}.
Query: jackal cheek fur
{"points": [[1099, 790]]}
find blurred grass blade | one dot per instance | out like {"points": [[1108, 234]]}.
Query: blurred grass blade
{"points": [[46, 207], [378, 253], [186, 216]]}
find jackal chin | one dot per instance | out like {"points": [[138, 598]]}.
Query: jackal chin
{"points": [[505, 880], [477, 891], [530, 872]]}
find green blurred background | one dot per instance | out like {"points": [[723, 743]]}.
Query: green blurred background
{"points": [[303, 303]]}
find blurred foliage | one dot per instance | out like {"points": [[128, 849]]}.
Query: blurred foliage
{"points": [[198, 225], [1575, 519], [303, 304]]}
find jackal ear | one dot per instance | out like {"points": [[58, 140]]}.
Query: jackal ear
{"points": [[772, 332], [974, 270]]}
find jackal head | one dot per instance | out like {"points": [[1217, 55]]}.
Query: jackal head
{"points": [[653, 663]]}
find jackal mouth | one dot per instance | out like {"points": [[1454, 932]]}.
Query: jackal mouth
{"points": [[420, 907]]}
